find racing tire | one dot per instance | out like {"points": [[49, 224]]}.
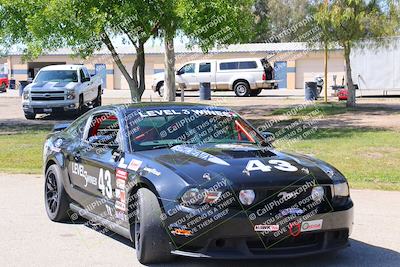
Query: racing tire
{"points": [[29, 115], [255, 92], [241, 89], [55, 197], [97, 101], [151, 238]]}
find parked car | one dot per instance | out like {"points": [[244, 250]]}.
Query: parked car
{"points": [[245, 76], [4, 83], [61, 88], [193, 180]]}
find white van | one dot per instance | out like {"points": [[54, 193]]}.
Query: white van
{"points": [[245, 76]]}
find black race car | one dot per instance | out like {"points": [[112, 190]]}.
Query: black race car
{"points": [[193, 180]]}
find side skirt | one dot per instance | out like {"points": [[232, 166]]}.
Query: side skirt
{"points": [[104, 222]]}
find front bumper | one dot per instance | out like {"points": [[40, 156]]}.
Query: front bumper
{"points": [[235, 238], [39, 107]]}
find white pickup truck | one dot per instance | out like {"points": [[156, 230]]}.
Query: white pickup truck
{"points": [[245, 76], [60, 88]]}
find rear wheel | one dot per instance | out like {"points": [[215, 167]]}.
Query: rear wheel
{"points": [[55, 198], [151, 239], [255, 92], [241, 89], [29, 115], [160, 89], [81, 108]]}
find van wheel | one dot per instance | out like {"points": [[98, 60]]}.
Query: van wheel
{"points": [[255, 92], [242, 89], [29, 115], [151, 238]]}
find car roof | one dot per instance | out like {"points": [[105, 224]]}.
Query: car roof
{"points": [[224, 60], [63, 67]]}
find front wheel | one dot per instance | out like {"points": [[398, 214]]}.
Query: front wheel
{"points": [[97, 101], [241, 89], [151, 238], [29, 115], [55, 198], [161, 89]]}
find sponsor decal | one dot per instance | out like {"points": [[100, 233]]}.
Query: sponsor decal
{"points": [[291, 211], [134, 165], [266, 227], [182, 232], [199, 154], [120, 205], [79, 169], [122, 164], [120, 215], [120, 194], [235, 147], [294, 229], [120, 183], [286, 195], [307, 226], [152, 171], [171, 112], [121, 174]]}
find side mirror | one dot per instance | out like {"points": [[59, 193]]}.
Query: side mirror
{"points": [[270, 137], [178, 72]]}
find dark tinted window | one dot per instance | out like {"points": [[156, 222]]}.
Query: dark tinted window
{"points": [[205, 67], [188, 68], [247, 65], [229, 66]]}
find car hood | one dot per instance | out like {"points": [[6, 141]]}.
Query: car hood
{"points": [[242, 165], [52, 86]]}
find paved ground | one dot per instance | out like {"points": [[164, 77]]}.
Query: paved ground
{"points": [[28, 238]]}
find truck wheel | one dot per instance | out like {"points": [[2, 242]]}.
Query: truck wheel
{"points": [[97, 101], [81, 108], [160, 89], [29, 115], [255, 92], [55, 198], [151, 239], [241, 89]]}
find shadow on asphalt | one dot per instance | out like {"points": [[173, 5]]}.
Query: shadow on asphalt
{"points": [[358, 254]]}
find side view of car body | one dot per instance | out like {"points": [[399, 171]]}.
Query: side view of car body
{"points": [[245, 76], [61, 88], [193, 180]]}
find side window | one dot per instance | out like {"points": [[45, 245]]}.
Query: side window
{"points": [[247, 65], [188, 68], [86, 73], [77, 128], [82, 74], [229, 66], [205, 67], [104, 130]]}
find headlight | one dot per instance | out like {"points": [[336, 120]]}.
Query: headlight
{"points": [[26, 95], [341, 189], [70, 94], [317, 193], [195, 196]]}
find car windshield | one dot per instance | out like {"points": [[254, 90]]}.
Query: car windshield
{"points": [[57, 76], [164, 127]]}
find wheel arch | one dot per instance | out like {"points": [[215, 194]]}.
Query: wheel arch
{"points": [[159, 84], [240, 80]]}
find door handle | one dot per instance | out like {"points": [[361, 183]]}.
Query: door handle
{"points": [[77, 156]]}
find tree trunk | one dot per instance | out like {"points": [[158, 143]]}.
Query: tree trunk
{"points": [[131, 83], [169, 64], [351, 99]]}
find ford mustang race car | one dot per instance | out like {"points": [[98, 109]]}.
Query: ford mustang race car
{"points": [[193, 180]]}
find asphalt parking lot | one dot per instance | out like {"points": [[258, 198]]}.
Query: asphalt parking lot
{"points": [[29, 238]]}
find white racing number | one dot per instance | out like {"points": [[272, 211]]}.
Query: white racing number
{"points": [[105, 183], [256, 165]]}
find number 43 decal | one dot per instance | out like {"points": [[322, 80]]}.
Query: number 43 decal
{"points": [[256, 165], [105, 183]]}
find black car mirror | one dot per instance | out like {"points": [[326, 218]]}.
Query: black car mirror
{"points": [[269, 137]]}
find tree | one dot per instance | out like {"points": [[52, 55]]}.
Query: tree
{"points": [[205, 23], [352, 23], [275, 17], [85, 26]]}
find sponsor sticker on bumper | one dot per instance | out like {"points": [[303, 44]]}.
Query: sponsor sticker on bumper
{"points": [[266, 227], [307, 226]]}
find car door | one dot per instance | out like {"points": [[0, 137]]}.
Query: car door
{"points": [[96, 161], [91, 89], [187, 75], [204, 74]]}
